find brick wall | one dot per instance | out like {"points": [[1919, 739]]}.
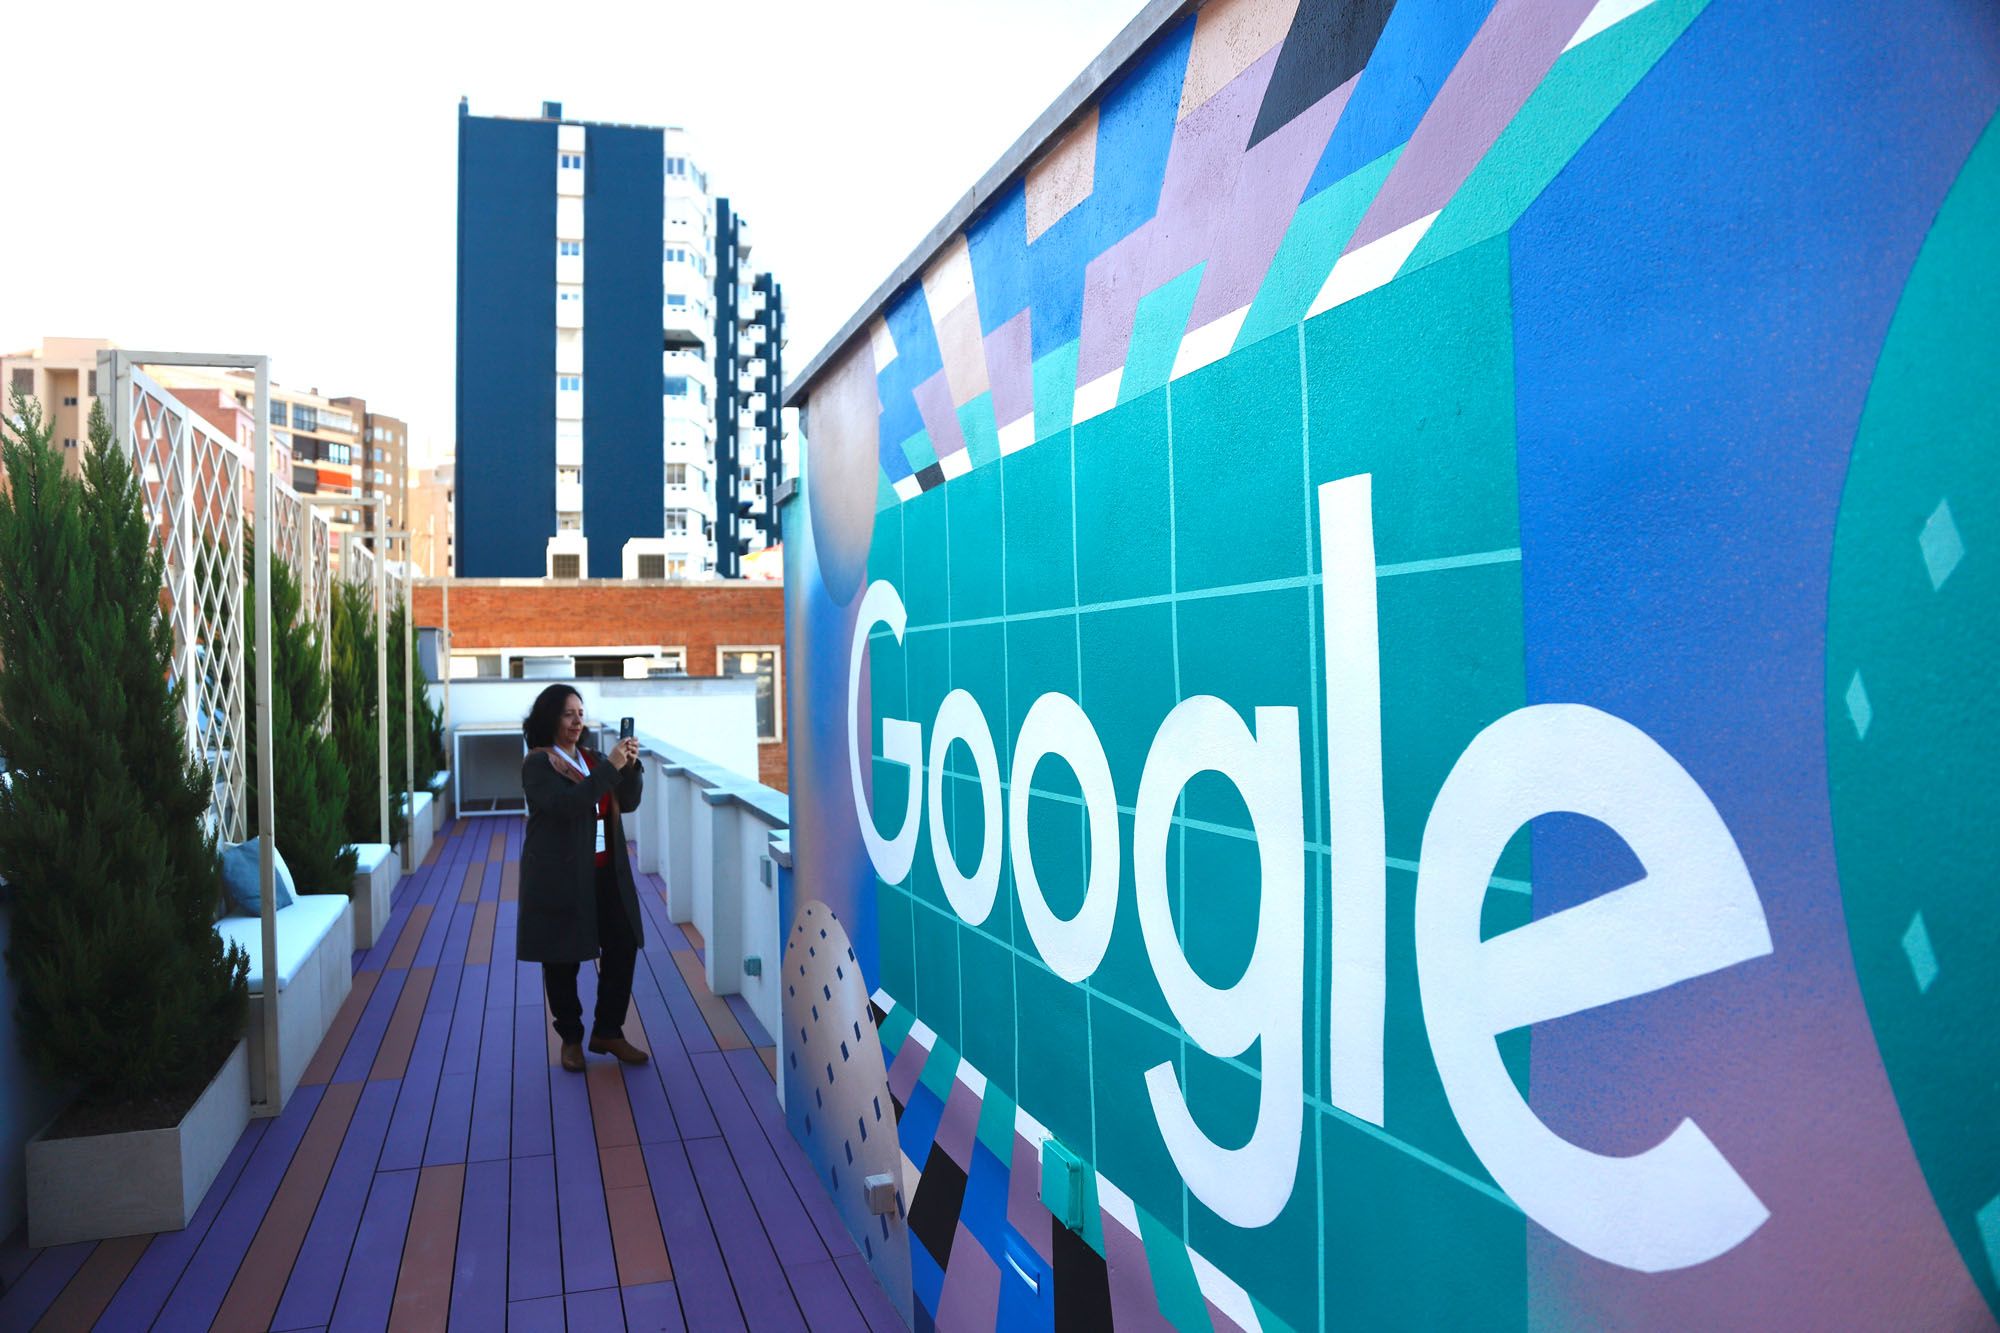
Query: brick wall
{"points": [[488, 615]]}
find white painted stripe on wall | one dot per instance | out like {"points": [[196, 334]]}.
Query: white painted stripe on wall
{"points": [[1017, 434], [925, 1037], [1209, 343], [883, 342], [1117, 1204], [974, 1081], [955, 464], [907, 488], [1361, 271], [1097, 397], [1608, 13], [1229, 1298]]}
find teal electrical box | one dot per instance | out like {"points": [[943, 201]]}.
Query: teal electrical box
{"points": [[1062, 1184]]}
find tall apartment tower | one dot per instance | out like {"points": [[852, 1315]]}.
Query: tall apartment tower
{"points": [[749, 342], [589, 382]]}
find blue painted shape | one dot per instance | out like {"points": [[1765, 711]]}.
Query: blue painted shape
{"points": [[917, 1129], [908, 316], [983, 1212], [926, 1276], [1157, 326], [1917, 948], [1988, 1218], [1420, 45], [1135, 129], [1055, 390], [982, 433], [1027, 1289]]}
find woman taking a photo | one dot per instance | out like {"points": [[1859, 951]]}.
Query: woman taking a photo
{"points": [[578, 902]]}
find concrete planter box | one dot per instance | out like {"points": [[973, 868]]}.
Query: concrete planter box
{"points": [[375, 874], [422, 826], [105, 1185], [440, 789]]}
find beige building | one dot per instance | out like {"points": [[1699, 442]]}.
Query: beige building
{"points": [[382, 462], [432, 529], [61, 373]]}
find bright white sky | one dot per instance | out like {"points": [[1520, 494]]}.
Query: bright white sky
{"points": [[271, 178]]}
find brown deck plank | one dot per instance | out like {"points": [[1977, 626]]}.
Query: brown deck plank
{"points": [[687, 929], [728, 1033], [327, 1058], [84, 1299], [475, 874], [423, 1284], [496, 850], [392, 1058], [769, 1055], [260, 1280], [414, 927], [610, 1107], [479, 947], [636, 1242], [510, 882]]}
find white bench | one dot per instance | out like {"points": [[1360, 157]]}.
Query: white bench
{"points": [[315, 971], [422, 826], [376, 870]]}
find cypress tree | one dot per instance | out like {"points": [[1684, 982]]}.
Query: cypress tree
{"points": [[354, 714], [310, 782], [125, 990]]}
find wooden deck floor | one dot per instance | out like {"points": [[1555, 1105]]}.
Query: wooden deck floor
{"points": [[438, 1169]]}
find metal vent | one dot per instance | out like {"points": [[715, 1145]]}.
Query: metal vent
{"points": [[566, 566], [652, 566]]}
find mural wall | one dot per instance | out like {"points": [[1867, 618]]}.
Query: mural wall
{"points": [[1392, 653]]}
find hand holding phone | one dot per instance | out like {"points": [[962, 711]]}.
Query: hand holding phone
{"points": [[625, 728]]}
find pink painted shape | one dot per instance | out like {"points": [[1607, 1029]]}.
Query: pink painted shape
{"points": [[1010, 369], [1024, 1200], [959, 1124], [1223, 1323], [1134, 1305], [971, 1296], [934, 406], [1507, 59], [908, 1067], [1202, 168]]}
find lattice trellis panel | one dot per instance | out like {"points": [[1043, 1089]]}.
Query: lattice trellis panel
{"points": [[193, 480]]}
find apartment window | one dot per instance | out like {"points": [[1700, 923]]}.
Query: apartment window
{"points": [[568, 474], [304, 417], [569, 384], [569, 249], [69, 401], [676, 299], [278, 413], [677, 568], [569, 294], [652, 566], [675, 386], [761, 665], [569, 523], [570, 161], [677, 476], [677, 523], [566, 566], [90, 383], [69, 443]]}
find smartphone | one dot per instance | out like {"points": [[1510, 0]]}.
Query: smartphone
{"points": [[624, 728]]}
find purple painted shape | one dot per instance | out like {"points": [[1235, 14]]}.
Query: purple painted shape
{"points": [[868, 1295], [791, 1232], [599, 1308], [758, 1091], [1024, 1199], [479, 1267], [1504, 63], [1268, 186], [529, 1111], [824, 1297], [451, 1121], [971, 1297], [653, 1308], [28, 1299], [1133, 1302], [760, 1283], [959, 1124], [492, 1095], [537, 1316], [315, 1280], [198, 1295], [1010, 369], [370, 1285], [362, 1046], [705, 1291], [906, 1068], [1223, 1323], [146, 1287], [1202, 167], [652, 1116], [940, 420], [588, 1261], [403, 1149], [534, 1257], [500, 974]]}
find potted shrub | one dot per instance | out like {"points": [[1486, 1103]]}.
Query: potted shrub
{"points": [[354, 715], [125, 992]]}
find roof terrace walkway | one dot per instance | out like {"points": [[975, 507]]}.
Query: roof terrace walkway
{"points": [[437, 1168]]}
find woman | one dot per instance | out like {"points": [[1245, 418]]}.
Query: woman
{"points": [[578, 902]]}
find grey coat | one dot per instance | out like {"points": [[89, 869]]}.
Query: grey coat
{"points": [[558, 921]]}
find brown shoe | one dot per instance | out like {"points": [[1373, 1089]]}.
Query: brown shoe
{"points": [[621, 1048], [572, 1057]]}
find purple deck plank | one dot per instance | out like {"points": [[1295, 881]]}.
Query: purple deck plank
{"points": [[593, 1310], [760, 1283], [868, 1295], [315, 1280], [146, 1288], [198, 1295], [489, 887], [479, 1272], [537, 1316], [29, 1298], [534, 1266], [703, 1283], [532, 1135], [377, 957], [361, 1047], [790, 1231], [828, 1306], [500, 982], [755, 1081], [410, 1127], [451, 1121], [651, 1115], [653, 1308], [587, 1257], [15, 1256], [462, 1057], [370, 1284], [492, 1091], [527, 983], [450, 917], [690, 1104]]}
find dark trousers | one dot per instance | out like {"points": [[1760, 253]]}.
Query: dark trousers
{"points": [[618, 950]]}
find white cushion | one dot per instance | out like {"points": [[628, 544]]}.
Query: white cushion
{"points": [[301, 928], [369, 855]]}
